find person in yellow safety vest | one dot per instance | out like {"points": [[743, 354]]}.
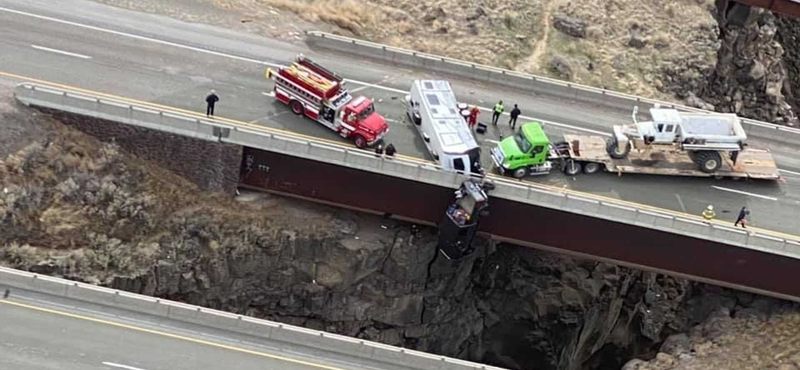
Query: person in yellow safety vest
{"points": [[498, 110], [709, 214]]}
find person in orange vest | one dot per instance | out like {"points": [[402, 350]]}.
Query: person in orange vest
{"points": [[473, 116]]}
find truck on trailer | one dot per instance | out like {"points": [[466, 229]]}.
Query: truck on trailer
{"points": [[433, 110], [318, 93], [674, 143]]}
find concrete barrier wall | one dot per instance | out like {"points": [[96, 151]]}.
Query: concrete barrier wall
{"points": [[416, 170], [305, 338], [518, 80]]}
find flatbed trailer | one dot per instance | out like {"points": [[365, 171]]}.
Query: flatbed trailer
{"points": [[588, 153]]}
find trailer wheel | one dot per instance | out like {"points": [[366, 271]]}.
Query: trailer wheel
{"points": [[708, 161], [572, 167], [520, 172], [297, 107], [360, 142], [591, 167], [615, 151]]}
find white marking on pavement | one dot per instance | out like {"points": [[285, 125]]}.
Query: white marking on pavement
{"points": [[680, 202], [76, 55], [744, 193], [271, 94], [790, 172], [118, 33], [492, 141], [121, 366]]}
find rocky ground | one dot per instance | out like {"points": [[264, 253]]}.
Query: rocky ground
{"points": [[75, 207]]}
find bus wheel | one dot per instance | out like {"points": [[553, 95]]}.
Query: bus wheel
{"points": [[591, 167], [520, 172], [297, 107], [572, 167], [360, 142]]}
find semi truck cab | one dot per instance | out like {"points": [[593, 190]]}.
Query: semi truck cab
{"points": [[526, 152]]}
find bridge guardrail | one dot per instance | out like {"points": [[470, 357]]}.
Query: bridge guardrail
{"points": [[515, 79], [241, 324], [425, 172]]}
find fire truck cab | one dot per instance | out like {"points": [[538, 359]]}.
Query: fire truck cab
{"points": [[318, 93]]}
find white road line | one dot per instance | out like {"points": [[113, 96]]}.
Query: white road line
{"points": [[744, 193], [139, 37], [680, 202], [545, 122], [367, 84], [271, 94], [121, 366], [492, 141], [790, 172], [61, 52]]}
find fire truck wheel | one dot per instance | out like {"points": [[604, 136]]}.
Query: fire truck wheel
{"points": [[297, 107], [360, 142]]}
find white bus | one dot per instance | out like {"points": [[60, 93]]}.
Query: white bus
{"points": [[433, 110]]}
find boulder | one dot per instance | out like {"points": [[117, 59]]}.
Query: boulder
{"points": [[561, 65], [570, 25]]}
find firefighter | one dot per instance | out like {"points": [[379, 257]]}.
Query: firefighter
{"points": [[709, 214], [473, 116], [390, 150]]}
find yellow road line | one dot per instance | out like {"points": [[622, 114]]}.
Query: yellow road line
{"points": [[408, 158], [169, 335]]}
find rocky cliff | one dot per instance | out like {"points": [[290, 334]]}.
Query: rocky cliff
{"points": [[750, 75]]}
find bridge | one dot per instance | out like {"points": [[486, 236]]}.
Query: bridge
{"points": [[655, 216], [82, 326]]}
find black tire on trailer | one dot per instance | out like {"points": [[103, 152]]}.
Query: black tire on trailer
{"points": [[360, 142], [614, 150], [708, 161], [520, 172], [297, 107], [592, 167], [572, 167]]}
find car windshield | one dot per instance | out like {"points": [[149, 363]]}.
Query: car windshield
{"points": [[366, 112], [523, 143]]}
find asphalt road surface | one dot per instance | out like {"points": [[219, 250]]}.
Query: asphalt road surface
{"points": [[41, 332], [165, 61]]}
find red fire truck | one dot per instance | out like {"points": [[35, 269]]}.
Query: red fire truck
{"points": [[319, 94]]}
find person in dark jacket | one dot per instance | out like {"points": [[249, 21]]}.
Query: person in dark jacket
{"points": [[514, 114], [742, 216], [211, 99], [390, 150]]}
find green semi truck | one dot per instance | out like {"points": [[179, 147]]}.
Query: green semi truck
{"points": [[530, 152]]}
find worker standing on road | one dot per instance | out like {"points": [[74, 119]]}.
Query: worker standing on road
{"points": [[390, 150], [514, 114], [498, 110], [741, 219], [473, 116], [211, 99], [709, 214]]}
